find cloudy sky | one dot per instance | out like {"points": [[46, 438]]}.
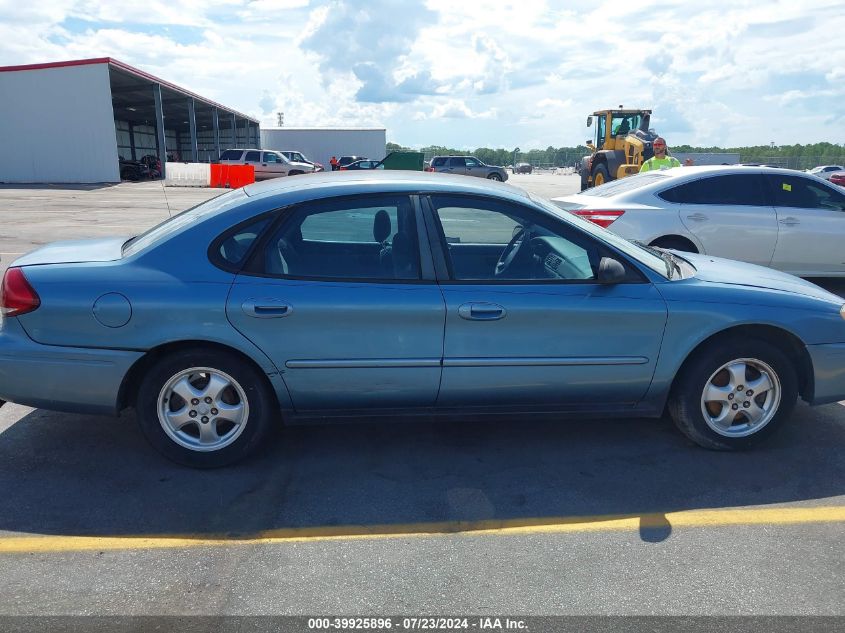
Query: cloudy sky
{"points": [[474, 73]]}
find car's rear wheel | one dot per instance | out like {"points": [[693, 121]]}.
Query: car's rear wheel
{"points": [[295, 172], [495, 177], [205, 408], [734, 394]]}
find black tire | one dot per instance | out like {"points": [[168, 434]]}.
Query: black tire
{"points": [[685, 402], [584, 180], [675, 244], [600, 173], [295, 172], [262, 407], [495, 177]]}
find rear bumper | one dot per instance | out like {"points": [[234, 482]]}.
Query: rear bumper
{"points": [[828, 372], [60, 378]]}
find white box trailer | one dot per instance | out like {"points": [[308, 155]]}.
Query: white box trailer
{"points": [[320, 144]]}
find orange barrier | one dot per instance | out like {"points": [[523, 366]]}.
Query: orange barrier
{"points": [[231, 176]]}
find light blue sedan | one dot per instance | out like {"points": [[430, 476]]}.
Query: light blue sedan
{"points": [[395, 293]]}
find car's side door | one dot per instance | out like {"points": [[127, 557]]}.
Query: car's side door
{"points": [[254, 158], [456, 165], [273, 165], [730, 215], [341, 295], [811, 225], [475, 168], [528, 325]]}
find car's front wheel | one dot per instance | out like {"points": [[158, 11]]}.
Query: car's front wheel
{"points": [[734, 394], [205, 408], [495, 177]]}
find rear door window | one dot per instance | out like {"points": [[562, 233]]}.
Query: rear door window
{"points": [[252, 157], [457, 162], [231, 154], [731, 190], [803, 193]]}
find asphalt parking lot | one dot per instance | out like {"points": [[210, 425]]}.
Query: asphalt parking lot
{"points": [[430, 517]]}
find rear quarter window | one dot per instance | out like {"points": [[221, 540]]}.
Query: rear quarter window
{"points": [[231, 154]]}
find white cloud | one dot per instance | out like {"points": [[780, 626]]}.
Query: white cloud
{"points": [[490, 72]]}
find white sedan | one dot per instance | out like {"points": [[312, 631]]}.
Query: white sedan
{"points": [[781, 218]]}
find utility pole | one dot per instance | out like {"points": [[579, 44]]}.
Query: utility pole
{"points": [[281, 118]]}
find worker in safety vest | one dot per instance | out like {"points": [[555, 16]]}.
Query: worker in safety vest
{"points": [[333, 163], [660, 160]]}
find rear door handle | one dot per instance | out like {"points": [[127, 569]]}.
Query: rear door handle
{"points": [[482, 312], [266, 308], [790, 221], [697, 217]]}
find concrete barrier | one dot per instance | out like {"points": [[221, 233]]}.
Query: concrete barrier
{"points": [[187, 174]]}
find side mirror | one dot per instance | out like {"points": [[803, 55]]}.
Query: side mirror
{"points": [[610, 271], [589, 121]]}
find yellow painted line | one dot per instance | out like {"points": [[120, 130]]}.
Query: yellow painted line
{"points": [[560, 525]]}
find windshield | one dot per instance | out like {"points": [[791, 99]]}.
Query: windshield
{"points": [[172, 225], [646, 256], [624, 185]]}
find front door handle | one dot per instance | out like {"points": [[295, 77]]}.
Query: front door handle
{"points": [[697, 217], [266, 308], [790, 221], [482, 312]]}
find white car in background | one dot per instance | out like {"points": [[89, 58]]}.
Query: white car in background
{"points": [[781, 218], [267, 163], [825, 171]]}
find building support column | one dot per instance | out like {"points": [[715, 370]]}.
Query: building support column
{"points": [[215, 125], [192, 122], [132, 141], [161, 142], [235, 143]]}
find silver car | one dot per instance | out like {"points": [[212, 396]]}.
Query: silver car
{"points": [[781, 218], [267, 163], [467, 166]]}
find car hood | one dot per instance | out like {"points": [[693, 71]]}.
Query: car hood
{"points": [[295, 163], [728, 271], [75, 251]]}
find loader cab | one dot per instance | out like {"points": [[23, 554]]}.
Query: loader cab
{"points": [[601, 126]]}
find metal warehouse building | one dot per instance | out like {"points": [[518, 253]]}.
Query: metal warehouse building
{"points": [[71, 121], [320, 144]]}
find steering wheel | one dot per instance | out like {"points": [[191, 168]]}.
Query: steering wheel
{"points": [[512, 250]]}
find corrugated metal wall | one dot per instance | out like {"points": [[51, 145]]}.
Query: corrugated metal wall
{"points": [[320, 145], [57, 125]]}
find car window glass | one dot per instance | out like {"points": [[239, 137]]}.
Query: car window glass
{"points": [[367, 237], [457, 162], [235, 247], [798, 192], [251, 157], [438, 162], [623, 185], [270, 157], [231, 154], [187, 218], [733, 189], [472, 163], [491, 240]]}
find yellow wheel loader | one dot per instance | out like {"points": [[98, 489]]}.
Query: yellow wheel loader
{"points": [[622, 142]]}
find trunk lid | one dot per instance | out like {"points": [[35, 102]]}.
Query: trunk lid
{"points": [[75, 251]]}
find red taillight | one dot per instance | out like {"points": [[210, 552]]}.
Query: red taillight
{"points": [[429, 168], [602, 217], [343, 169], [16, 295]]}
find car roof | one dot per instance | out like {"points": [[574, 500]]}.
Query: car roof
{"points": [[349, 182]]}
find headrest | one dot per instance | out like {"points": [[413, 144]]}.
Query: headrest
{"points": [[381, 226]]}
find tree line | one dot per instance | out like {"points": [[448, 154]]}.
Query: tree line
{"points": [[795, 156]]}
